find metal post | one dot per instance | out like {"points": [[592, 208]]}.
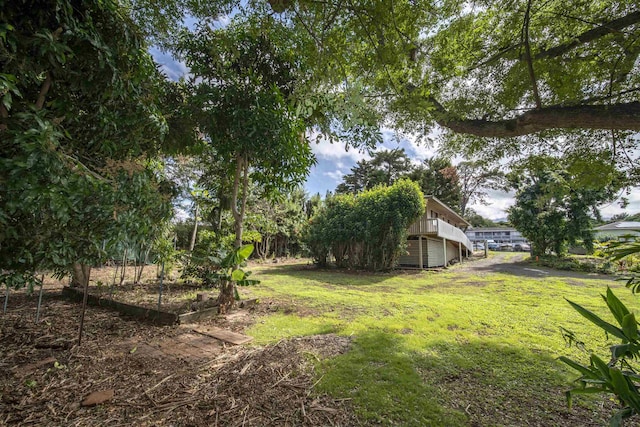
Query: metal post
{"points": [[84, 307], [40, 299], [444, 246], [6, 300], [420, 251], [160, 290]]}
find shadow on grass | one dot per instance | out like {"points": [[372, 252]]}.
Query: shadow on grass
{"points": [[454, 384], [334, 275], [531, 270]]}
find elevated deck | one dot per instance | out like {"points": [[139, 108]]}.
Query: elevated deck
{"points": [[438, 228]]}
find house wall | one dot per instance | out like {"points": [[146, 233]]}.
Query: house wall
{"points": [[613, 234], [432, 253], [435, 211], [435, 251], [498, 235], [452, 251], [412, 257]]}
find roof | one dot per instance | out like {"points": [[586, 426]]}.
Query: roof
{"points": [[620, 225], [490, 229], [456, 215]]}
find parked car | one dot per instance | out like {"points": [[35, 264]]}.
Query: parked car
{"points": [[521, 247], [505, 247], [493, 246]]}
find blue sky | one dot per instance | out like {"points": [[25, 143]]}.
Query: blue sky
{"points": [[333, 161]]}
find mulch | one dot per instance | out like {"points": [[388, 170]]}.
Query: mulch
{"points": [[45, 375]]}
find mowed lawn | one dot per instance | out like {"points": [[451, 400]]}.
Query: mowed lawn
{"points": [[476, 344]]}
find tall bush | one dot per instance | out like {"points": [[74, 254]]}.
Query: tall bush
{"points": [[365, 230]]}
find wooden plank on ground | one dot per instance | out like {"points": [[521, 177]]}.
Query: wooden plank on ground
{"points": [[149, 314], [194, 316], [222, 334]]}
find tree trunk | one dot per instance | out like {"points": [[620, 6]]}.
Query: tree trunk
{"points": [[80, 275], [226, 298], [123, 272], [195, 228]]}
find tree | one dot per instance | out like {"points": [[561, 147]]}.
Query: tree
{"points": [[477, 220], [437, 177], [79, 120], [385, 167], [556, 200], [475, 177], [540, 67], [244, 76]]}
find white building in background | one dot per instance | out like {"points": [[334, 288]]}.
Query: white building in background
{"points": [[616, 230], [497, 234], [436, 239]]}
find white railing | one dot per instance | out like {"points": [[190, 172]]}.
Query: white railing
{"points": [[424, 226], [441, 229]]}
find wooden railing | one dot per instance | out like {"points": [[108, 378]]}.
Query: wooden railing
{"points": [[439, 228]]}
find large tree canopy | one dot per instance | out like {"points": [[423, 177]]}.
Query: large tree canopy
{"points": [[78, 119], [490, 69]]}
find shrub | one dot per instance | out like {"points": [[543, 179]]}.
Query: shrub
{"points": [[365, 230]]}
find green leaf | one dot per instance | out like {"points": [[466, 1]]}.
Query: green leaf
{"points": [[602, 367], [584, 370], [592, 317], [617, 308], [630, 326], [618, 351], [245, 252], [237, 275]]}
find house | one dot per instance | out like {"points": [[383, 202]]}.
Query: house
{"points": [[616, 230], [436, 238], [496, 234]]}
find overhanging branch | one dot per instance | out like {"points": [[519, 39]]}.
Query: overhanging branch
{"points": [[591, 35], [597, 117]]}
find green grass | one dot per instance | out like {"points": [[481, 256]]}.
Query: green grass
{"points": [[441, 348]]}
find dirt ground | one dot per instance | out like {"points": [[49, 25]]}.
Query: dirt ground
{"points": [[45, 375]]}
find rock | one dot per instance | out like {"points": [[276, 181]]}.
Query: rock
{"points": [[98, 397]]}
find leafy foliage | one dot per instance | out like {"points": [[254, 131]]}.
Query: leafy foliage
{"points": [[78, 120], [435, 176], [365, 230], [555, 200], [217, 270], [620, 374]]}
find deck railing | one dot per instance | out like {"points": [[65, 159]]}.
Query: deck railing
{"points": [[439, 228]]}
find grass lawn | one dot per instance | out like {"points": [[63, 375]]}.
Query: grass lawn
{"points": [[458, 347]]}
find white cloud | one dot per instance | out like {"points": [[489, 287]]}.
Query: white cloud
{"points": [[169, 66], [334, 175], [324, 150], [497, 204]]}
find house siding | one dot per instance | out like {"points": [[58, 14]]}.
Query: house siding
{"points": [[435, 252], [452, 251]]}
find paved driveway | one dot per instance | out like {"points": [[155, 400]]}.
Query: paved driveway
{"points": [[515, 264]]}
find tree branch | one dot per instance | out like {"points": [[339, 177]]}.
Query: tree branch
{"points": [[617, 116], [4, 114], [42, 96], [607, 28], [527, 50], [591, 35]]}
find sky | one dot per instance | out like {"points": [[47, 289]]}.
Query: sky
{"points": [[333, 161]]}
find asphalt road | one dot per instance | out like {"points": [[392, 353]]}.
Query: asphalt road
{"points": [[515, 264]]}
